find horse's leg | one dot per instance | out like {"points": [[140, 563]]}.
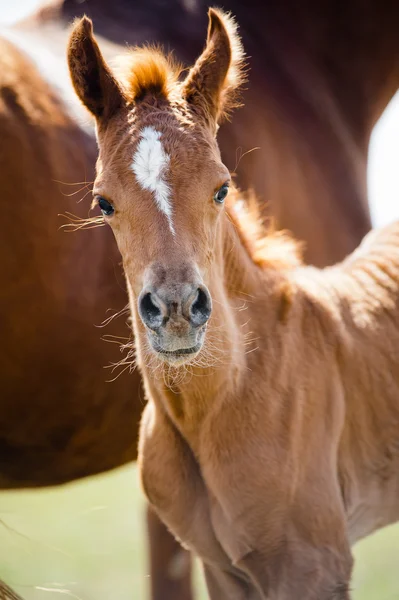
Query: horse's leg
{"points": [[222, 585], [172, 481], [297, 553], [285, 528], [170, 564], [317, 576]]}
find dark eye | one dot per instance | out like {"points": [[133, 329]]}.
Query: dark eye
{"points": [[106, 207], [221, 193]]}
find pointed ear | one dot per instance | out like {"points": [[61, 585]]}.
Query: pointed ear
{"points": [[212, 84], [91, 77]]}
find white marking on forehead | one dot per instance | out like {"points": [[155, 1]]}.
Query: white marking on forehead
{"points": [[150, 162]]}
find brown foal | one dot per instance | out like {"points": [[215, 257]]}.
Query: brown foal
{"points": [[261, 447]]}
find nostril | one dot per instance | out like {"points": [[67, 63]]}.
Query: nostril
{"points": [[150, 313], [201, 308], [199, 302]]}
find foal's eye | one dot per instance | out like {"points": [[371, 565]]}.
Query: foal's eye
{"points": [[221, 194], [106, 207]]}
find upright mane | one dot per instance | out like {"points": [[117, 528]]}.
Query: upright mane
{"points": [[146, 71], [266, 246], [149, 71]]}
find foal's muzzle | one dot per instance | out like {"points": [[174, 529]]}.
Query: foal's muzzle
{"points": [[175, 317]]}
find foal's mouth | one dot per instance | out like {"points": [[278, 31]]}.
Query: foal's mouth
{"points": [[178, 356], [175, 349]]}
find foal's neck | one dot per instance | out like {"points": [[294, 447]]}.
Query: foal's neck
{"points": [[237, 285]]}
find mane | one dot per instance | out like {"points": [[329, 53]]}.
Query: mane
{"points": [[267, 246], [147, 70]]}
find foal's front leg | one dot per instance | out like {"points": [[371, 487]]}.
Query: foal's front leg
{"points": [[224, 586], [289, 552], [284, 527], [176, 491]]}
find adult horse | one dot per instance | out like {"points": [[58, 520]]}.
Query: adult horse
{"points": [[270, 439], [307, 109], [58, 415]]}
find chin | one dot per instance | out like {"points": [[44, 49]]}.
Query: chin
{"points": [[177, 358], [177, 352]]}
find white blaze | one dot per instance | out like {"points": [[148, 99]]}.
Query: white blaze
{"points": [[149, 165]]}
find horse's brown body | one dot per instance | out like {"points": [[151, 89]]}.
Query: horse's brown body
{"points": [[59, 419], [270, 441]]}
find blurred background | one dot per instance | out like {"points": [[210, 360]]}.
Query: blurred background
{"points": [[86, 540]]}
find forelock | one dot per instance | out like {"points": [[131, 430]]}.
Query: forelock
{"points": [[147, 72]]}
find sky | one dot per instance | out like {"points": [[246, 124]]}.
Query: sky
{"points": [[383, 173]]}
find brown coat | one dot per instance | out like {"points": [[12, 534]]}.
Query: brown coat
{"points": [[296, 455], [58, 417], [254, 366]]}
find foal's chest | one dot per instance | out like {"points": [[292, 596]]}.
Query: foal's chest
{"points": [[174, 485], [374, 506]]}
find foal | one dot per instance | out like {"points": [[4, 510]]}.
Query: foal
{"points": [[269, 442]]}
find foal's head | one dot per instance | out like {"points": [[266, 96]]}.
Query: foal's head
{"points": [[160, 182]]}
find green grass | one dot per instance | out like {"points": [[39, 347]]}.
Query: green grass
{"points": [[88, 538]]}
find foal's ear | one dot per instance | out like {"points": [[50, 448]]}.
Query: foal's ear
{"points": [[212, 84], [91, 77]]}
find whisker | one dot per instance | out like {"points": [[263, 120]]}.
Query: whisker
{"points": [[118, 375], [76, 183], [106, 337], [77, 192], [241, 156], [76, 223], [119, 313], [83, 197]]}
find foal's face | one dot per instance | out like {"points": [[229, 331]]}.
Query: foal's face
{"points": [[162, 191], [160, 180]]}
